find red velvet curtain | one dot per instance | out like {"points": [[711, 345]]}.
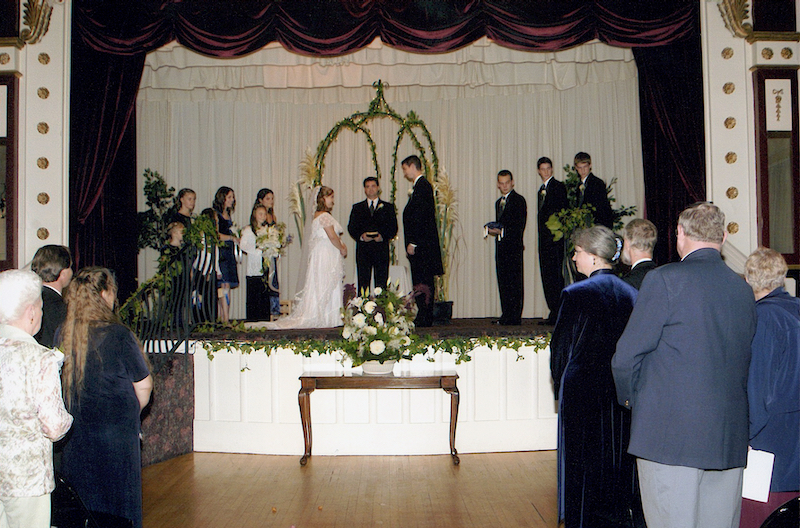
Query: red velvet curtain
{"points": [[111, 38]]}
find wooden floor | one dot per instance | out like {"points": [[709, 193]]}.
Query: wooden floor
{"points": [[228, 490]]}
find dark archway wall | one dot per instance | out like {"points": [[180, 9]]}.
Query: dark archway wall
{"points": [[111, 38]]}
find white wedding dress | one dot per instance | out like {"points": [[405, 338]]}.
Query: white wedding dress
{"points": [[319, 302]]}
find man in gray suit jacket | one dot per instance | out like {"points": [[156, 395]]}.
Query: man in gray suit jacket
{"points": [[681, 366]]}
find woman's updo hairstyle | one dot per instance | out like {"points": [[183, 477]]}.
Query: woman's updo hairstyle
{"points": [[599, 241], [323, 192]]}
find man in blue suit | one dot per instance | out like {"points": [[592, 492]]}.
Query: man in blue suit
{"points": [[681, 366]]}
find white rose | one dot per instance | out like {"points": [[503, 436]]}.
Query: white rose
{"points": [[371, 330], [406, 340], [394, 331], [370, 306], [377, 347], [379, 318], [346, 333], [360, 320], [378, 290]]}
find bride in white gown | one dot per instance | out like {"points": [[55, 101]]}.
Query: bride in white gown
{"points": [[319, 302]]}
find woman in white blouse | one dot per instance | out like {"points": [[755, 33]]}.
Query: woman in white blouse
{"points": [[32, 412]]}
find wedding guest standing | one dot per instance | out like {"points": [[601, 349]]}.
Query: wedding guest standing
{"points": [[511, 213], [681, 366], [106, 385], [552, 198], [184, 207], [639, 238], [257, 290], [266, 198], [592, 191], [32, 413], [53, 264], [373, 224], [773, 384], [596, 476], [421, 238], [224, 205]]}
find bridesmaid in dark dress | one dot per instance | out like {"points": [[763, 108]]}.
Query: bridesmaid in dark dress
{"points": [[224, 205], [106, 383], [266, 198], [596, 475]]}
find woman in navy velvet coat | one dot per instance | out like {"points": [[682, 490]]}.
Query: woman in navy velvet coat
{"points": [[596, 475], [773, 384]]}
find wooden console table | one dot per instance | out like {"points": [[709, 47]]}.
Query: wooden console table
{"points": [[310, 381]]}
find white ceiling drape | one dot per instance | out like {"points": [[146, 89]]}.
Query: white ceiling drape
{"points": [[246, 123]]}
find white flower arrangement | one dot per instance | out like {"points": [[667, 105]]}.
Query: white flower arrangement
{"points": [[378, 327], [271, 241]]}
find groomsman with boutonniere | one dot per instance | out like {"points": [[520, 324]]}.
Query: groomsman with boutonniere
{"points": [[421, 238], [592, 191], [373, 223], [511, 212], [552, 198]]}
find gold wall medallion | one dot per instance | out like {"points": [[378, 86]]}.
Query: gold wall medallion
{"points": [[786, 53], [43, 198], [44, 58], [43, 93], [5, 58], [733, 228], [732, 192], [728, 88], [42, 163], [767, 53], [730, 122], [727, 53], [43, 128], [731, 157], [42, 233]]}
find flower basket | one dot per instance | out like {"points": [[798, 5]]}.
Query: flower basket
{"points": [[377, 327]]}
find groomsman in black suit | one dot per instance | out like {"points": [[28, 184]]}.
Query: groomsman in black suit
{"points": [[373, 223], [511, 212], [592, 191], [421, 237], [639, 238], [552, 198], [53, 264]]}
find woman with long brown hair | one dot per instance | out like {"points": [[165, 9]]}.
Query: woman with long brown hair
{"points": [[224, 205], [106, 384]]}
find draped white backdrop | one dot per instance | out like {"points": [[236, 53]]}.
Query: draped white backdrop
{"points": [[246, 123]]}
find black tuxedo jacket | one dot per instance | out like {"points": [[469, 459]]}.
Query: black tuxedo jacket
{"points": [[383, 220], [419, 228], [54, 311], [682, 364], [636, 275], [595, 194], [513, 219], [555, 199]]}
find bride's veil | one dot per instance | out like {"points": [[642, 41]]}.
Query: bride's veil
{"points": [[307, 241]]}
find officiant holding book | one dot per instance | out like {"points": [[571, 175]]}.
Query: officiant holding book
{"points": [[511, 212], [373, 223]]}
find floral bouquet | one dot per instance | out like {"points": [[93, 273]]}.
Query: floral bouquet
{"points": [[271, 241], [378, 327]]}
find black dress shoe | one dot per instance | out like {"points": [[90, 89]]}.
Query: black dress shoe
{"points": [[497, 322]]}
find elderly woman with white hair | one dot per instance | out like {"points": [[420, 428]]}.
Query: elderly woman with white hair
{"points": [[32, 412], [773, 383]]}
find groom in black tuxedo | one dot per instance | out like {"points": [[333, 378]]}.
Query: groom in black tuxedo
{"points": [[421, 237], [511, 212], [373, 223], [592, 191]]}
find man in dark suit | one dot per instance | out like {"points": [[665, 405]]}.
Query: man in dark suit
{"points": [[552, 198], [511, 212], [639, 238], [592, 191], [421, 238], [681, 366], [373, 223], [53, 264]]}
